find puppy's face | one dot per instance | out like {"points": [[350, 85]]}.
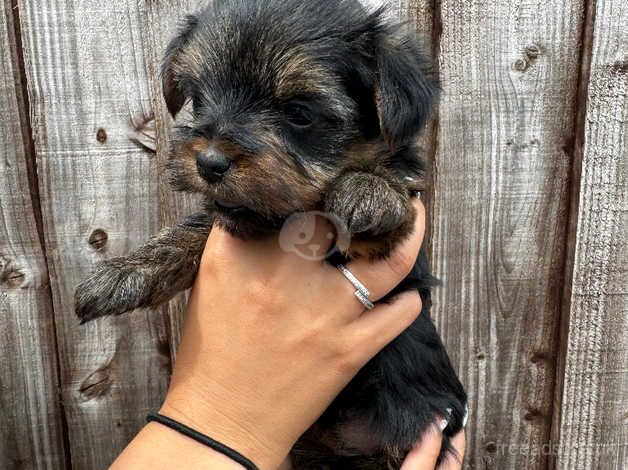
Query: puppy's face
{"points": [[286, 94]]}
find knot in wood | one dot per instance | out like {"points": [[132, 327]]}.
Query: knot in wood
{"points": [[533, 51], [533, 414], [101, 135], [539, 356], [15, 279], [98, 239], [521, 65], [96, 384]]}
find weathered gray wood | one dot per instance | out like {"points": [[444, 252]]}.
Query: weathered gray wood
{"points": [[159, 25], [31, 431], [418, 12], [509, 71], [87, 82], [592, 427], [505, 135]]}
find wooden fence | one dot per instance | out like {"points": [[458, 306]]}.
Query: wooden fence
{"points": [[528, 223]]}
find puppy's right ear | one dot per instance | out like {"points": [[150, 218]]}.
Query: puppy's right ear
{"points": [[406, 89], [172, 68]]}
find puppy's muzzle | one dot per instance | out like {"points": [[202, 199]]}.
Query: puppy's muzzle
{"points": [[212, 165]]}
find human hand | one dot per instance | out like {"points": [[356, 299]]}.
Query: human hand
{"points": [[271, 338], [425, 455]]}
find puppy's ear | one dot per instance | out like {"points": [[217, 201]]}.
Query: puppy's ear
{"points": [[406, 89], [172, 67]]}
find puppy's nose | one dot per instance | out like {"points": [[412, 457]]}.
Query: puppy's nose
{"points": [[212, 165]]}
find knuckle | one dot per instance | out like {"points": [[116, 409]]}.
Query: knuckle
{"points": [[347, 364], [346, 356], [341, 349], [400, 262], [316, 331], [412, 305], [262, 297]]}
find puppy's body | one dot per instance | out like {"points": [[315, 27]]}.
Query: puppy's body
{"points": [[302, 106]]}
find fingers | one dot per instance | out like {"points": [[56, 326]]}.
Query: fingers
{"points": [[378, 327], [380, 277], [454, 462], [425, 454]]}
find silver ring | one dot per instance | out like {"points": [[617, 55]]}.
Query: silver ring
{"points": [[361, 293]]}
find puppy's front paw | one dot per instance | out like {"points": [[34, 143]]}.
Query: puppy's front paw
{"points": [[113, 289], [367, 203]]}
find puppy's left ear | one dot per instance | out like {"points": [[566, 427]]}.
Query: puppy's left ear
{"points": [[172, 68], [406, 90]]}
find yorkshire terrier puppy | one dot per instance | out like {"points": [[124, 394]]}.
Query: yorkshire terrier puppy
{"points": [[299, 106]]}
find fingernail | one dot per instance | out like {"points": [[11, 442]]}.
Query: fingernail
{"points": [[442, 424]]}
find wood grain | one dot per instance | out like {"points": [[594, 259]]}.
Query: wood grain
{"points": [[417, 12], [502, 148], [592, 429], [509, 72], [87, 82], [160, 23], [31, 428]]}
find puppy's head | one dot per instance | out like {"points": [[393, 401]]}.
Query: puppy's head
{"points": [[284, 95]]}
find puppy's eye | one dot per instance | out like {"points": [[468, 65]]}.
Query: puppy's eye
{"points": [[298, 115]]}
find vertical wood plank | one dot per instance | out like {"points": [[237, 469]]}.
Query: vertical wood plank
{"points": [[509, 72], [87, 83], [31, 431], [159, 25], [418, 12], [592, 430]]}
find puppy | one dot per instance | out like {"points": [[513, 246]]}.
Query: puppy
{"points": [[298, 106]]}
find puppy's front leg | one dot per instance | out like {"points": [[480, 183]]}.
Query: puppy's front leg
{"points": [[150, 276], [376, 210]]}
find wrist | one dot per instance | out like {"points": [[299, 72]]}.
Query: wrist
{"points": [[224, 421], [158, 447]]}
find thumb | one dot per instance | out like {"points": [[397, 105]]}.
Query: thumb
{"points": [[425, 454]]}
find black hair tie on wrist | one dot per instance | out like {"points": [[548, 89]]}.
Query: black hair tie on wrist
{"points": [[203, 439]]}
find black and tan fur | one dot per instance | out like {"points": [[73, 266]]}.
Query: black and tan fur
{"points": [[305, 105]]}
